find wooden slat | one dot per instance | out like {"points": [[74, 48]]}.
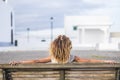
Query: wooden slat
{"points": [[60, 66], [88, 72], [35, 72], [35, 79], [86, 78]]}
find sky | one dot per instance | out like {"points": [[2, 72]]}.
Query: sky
{"points": [[35, 14]]}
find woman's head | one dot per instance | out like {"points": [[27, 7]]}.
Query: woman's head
{"points": [[60, 49]]}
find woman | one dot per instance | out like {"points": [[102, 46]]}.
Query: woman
{"points": [[60, 53]]}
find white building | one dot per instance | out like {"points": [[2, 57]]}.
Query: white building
{"points": [[92, 31], [6, 23]]}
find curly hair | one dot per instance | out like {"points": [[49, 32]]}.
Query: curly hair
{"points": [[60, 49]]}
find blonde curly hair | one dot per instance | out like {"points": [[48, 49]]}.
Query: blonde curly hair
{"points": [[60, 49]]}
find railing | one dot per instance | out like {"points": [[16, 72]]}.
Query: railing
{"points": [[74, 71]]}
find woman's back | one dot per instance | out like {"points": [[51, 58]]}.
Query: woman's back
{"points": [[60, 49]]}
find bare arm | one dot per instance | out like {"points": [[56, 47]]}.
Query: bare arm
{"points": [[78, 59], [42, 60]]}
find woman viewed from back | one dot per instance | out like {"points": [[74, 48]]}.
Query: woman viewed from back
{"points": [[60, 50], [60, 53]]}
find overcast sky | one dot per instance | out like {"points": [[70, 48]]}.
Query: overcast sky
{"points": [[36, 14]]}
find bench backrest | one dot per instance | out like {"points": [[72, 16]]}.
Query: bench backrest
{"points": [[60, 72]]}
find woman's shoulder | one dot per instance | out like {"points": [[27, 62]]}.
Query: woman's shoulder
{"points": [[71, 58]]}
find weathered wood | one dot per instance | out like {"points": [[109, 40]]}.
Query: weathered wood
{"points": [[83, 71], [47, 74], [117, 74], [61, 66], [1, 74], [35, 79], [101, 75], [62, 74]]}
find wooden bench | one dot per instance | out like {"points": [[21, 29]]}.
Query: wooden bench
{"points": [[74, 71]]}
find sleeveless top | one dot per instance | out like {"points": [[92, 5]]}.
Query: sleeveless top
{"points": [[71, 59]]}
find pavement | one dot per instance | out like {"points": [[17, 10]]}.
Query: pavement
{"points": [[7, 56]]}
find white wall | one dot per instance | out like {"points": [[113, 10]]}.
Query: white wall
{"points": [[94, 36], [94, 26], [5, 22]]}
